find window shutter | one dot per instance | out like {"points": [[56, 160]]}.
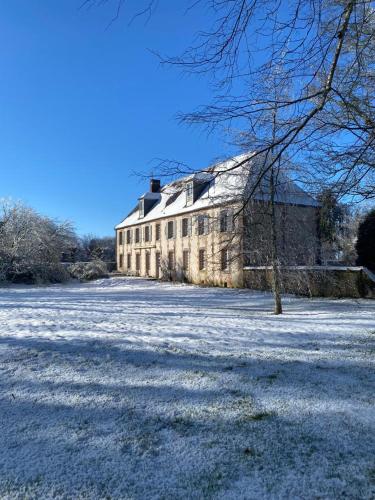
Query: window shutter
{"points": [[189, 225], [174, 229], [150, 232], [205, 224]]}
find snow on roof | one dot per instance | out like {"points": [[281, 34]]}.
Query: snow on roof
{"points": [[225, 182]]}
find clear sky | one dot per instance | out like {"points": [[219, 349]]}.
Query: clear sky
{"points": [[82, 106]]}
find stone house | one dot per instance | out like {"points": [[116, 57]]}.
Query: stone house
{"points": [[204, 228]]}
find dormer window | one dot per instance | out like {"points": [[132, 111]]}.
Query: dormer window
{"points": [[147, 202], [195, 186], [190, 193], [141, 207]]}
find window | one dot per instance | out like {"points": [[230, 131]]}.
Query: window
{"points": [[129, 261], [141, 208], [137, 233], [170, 229], [223, 221], [138, 262], [202, 259], [121, 260], [120, 238], [224, 259], [128, 236], [157, 232], [147, 262], [189, 193], [185, 227], [170, 260], [226, 221], [202, 224], [185, 260], [147, 233], [157, 263]]}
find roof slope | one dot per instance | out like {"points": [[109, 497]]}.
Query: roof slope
{"points": [[224, 183]]}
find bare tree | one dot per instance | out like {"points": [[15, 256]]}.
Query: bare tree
{"points": [[326, 50], [324, 53]]}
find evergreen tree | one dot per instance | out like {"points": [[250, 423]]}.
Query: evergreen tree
{"points": [[366, 241]]}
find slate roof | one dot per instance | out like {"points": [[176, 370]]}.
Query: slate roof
{"points": [[223, 183]]}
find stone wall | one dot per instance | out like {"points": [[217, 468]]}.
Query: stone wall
{"points": [[315, 281]]}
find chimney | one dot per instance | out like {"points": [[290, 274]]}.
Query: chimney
{"points": [[155, 185]]}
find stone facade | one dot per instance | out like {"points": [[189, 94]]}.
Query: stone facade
{"points": [[195, 229], [181, 248]]}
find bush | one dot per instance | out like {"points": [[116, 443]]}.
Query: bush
{"points": [[44, 273], [31, 245], [366, 242], [87, 271]]}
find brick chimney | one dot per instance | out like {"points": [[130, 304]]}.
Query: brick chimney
{"points": [[155, 185]]}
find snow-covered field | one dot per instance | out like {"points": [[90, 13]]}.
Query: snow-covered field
{"points": [[127, 388]]}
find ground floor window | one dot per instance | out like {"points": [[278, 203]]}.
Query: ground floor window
{"points": [[171, 260], [147, 262], [185, 260], [138, 262], [121, 260], [224, 259], [129, 261], [202, 259]]}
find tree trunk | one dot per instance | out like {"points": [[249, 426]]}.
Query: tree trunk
{"points": [[276, 282]]}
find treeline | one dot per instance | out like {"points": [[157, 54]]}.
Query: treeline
{"points": [[347, 233], [37, 249]]}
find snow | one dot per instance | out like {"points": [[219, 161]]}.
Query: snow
{"points": [[128, 388], [228, 184]]}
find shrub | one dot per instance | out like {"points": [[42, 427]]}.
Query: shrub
{"points": [[31, 245], [87, 271]]}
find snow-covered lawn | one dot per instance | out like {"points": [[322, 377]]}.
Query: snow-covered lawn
{"points": [[127, 388]]}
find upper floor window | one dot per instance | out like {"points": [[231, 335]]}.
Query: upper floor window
{"points": [[141, 207], [170, 229], [157, 232], [202, 224], [226, 221], [137, 235], [148, 233], [128, 236], [120, 238], [190, 193], [185, 227]]}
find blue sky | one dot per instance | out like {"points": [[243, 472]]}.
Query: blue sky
{"points": [[82, 106]]}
